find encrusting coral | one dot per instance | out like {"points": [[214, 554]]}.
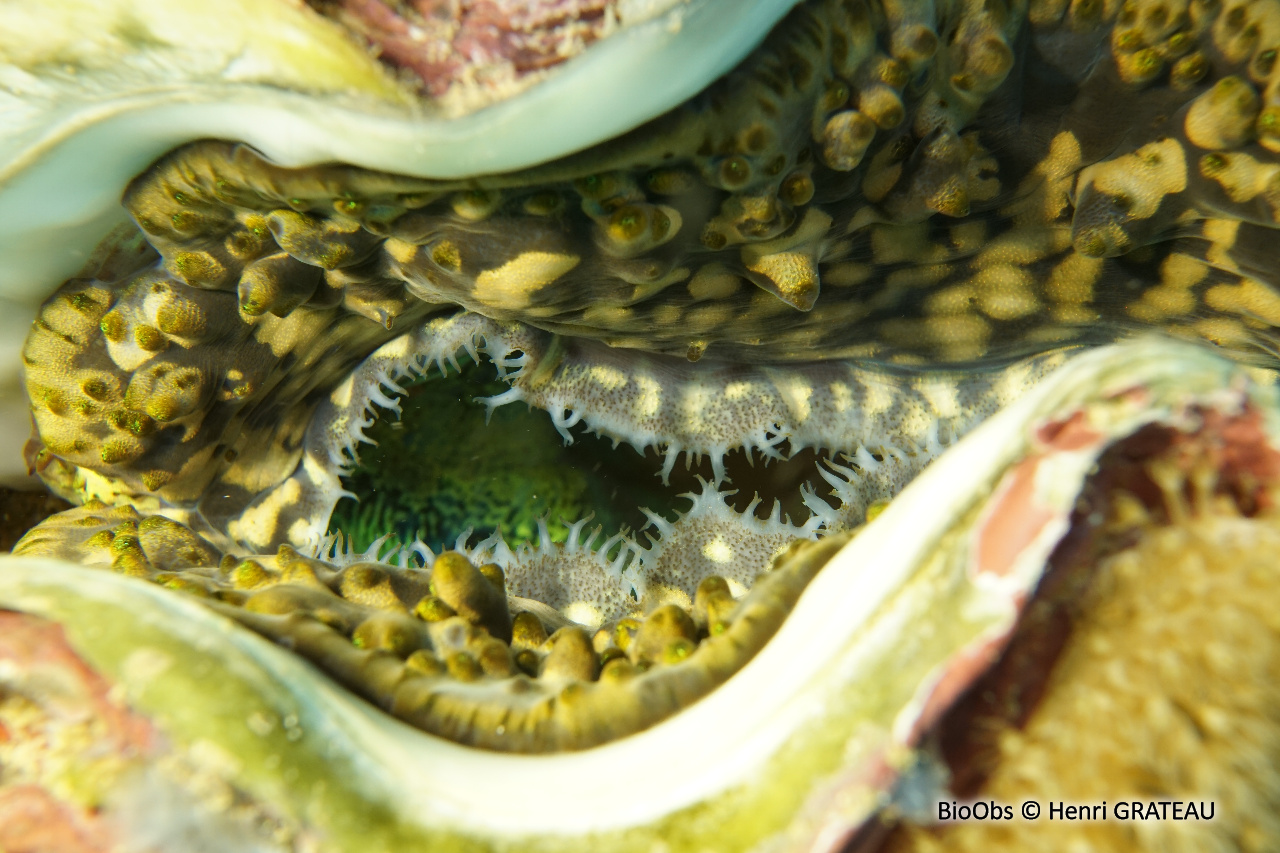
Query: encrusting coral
{"points": [[1173, 538]]}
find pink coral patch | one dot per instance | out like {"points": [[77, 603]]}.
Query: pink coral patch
{"points": [[1011, 522], [37, 652], [957, 676], [38, 665], [1074, 433], [32, 820], [449, 42], [1014, 519]]}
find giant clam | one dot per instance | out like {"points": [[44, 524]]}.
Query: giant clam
{"points": [[824, 239]]}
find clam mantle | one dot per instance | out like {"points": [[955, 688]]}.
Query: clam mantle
{"points": [[784, 262]]}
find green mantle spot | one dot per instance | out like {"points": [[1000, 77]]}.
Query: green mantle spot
{"points": [[440, 469]]}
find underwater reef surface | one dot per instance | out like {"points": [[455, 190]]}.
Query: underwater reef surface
{"points": [[754, 417]]}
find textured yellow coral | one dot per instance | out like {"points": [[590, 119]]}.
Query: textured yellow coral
{"points": [[1165, 691]]}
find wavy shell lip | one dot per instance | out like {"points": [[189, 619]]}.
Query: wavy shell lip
{"points": [[807, 692]]}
